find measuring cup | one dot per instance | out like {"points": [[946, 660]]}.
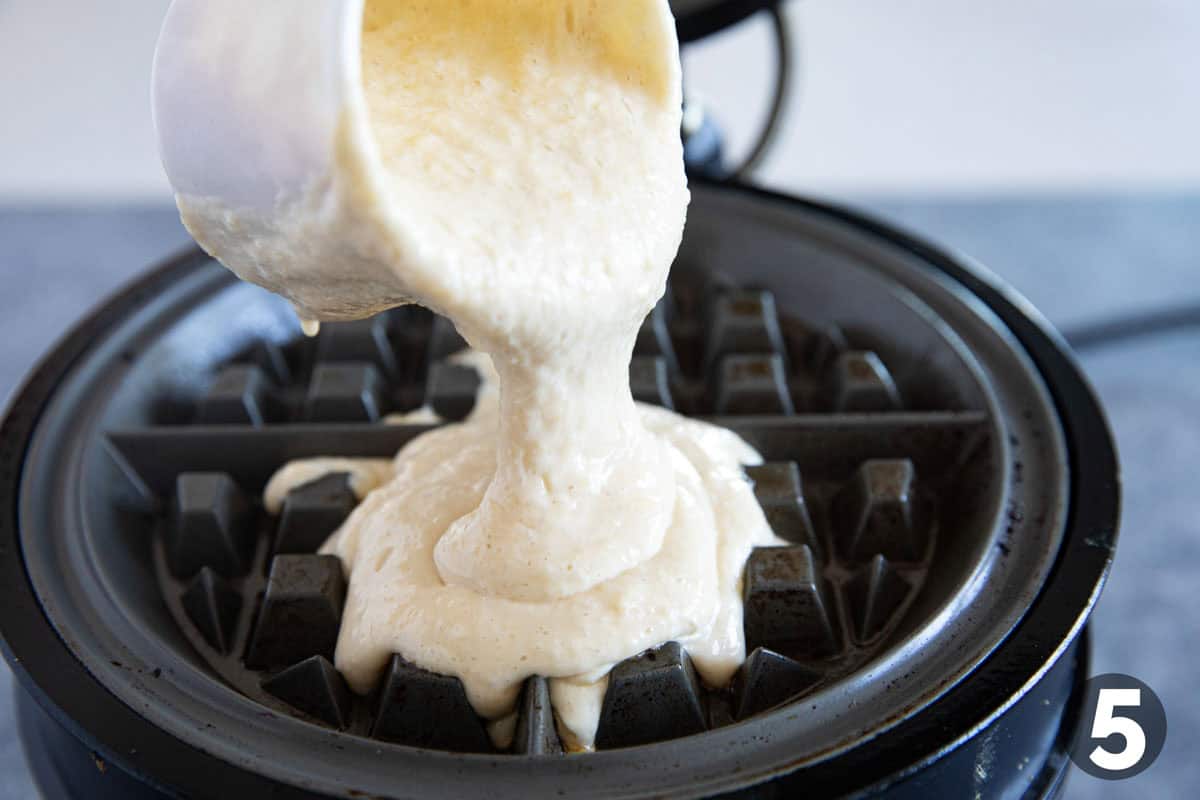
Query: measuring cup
{"points": [[264, 132]]}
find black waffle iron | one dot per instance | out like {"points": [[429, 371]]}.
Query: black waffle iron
{"points": [[941, 471]]}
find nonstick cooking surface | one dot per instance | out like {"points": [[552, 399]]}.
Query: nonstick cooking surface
{"points": [[263, 609]]}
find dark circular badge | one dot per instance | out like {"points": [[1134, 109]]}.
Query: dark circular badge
{"points": [[1124, 727]]}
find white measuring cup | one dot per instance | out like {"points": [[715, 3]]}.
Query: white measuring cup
{"points": [[265, 134], [260, 116]]}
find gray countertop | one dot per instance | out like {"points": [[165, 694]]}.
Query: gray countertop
{"points": [[1077, 258]]}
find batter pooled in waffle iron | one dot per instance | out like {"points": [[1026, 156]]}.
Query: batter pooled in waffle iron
{"points": [[525, 178]]}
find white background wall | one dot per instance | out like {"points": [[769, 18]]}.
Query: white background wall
{"points": [[898, 95]]}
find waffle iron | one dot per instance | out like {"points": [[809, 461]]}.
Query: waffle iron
{"points": [[941, 471]]}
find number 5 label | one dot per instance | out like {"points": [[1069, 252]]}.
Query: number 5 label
{"points": [[1124, 727]]}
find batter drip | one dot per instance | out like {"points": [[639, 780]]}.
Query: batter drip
{"points": [[523, 176]]}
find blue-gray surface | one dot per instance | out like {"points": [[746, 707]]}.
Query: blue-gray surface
{"points": [[1077, 258]]}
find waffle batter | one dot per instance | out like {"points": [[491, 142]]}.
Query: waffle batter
{"points": [[526, 180]]}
